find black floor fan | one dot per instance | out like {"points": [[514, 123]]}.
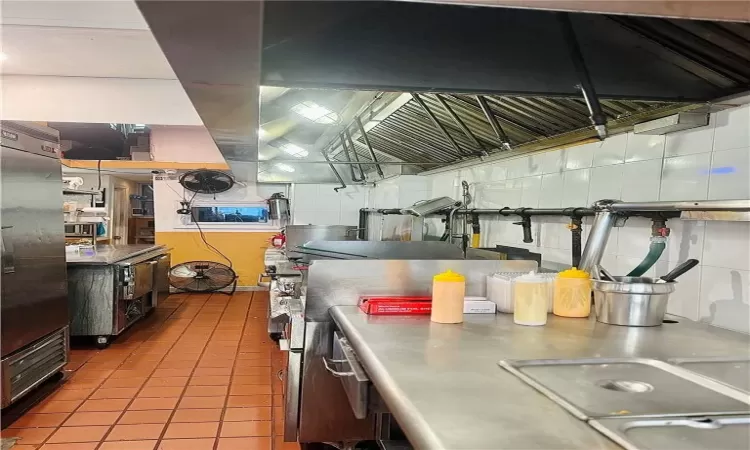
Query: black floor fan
{"points": [[202, 276]]}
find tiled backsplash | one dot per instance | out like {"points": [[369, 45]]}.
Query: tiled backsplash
{"points": [[711, 162], [319, 204]]}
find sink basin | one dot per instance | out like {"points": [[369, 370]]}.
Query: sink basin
{"points": [[734, 372], [684, 433], [633, 387]]}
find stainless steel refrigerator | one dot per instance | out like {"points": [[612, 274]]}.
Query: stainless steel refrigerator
{"points": [[33, 284]]}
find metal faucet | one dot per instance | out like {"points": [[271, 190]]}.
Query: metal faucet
{"points": [[607, 213]]}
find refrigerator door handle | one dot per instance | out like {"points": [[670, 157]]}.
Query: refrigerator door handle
{"points": [[7, 258]]}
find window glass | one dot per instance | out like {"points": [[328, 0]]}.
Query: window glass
{"points": [[230, 214]]}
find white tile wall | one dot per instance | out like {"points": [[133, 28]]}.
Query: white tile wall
{"points": [[641, 181], [727, 244], [548, 162], [531, 189], [642, 147], [580, 157], [576, 187], [710, 162], [319, 204], [606, 182], [688, 142], [732, 129], [730, 174], [685, 177], [552, 190], [610, 151], [724, 298]]}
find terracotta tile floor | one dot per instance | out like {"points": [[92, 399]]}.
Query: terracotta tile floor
{"points": [[200, 373]]}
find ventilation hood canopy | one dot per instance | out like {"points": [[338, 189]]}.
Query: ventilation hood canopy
{"points": [[214, 49], [388, 93]]}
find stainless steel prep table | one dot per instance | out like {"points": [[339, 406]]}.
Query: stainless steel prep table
{"points": [[111, 254], [111, 290], [444, 387]]}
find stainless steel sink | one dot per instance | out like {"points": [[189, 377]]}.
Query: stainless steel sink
{"points": [[632, 387], [684, 433], [734, 372]]}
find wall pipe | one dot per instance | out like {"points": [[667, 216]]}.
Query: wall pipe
{"points": [[493, 122], [597, 116], [353, 174], [698, 205], [356, 155], [335, 172], [570, 212], [605, 212], [369, 146]]}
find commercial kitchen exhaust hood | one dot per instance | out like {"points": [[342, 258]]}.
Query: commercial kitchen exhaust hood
{"points": [[214, 49], [542, 77], [672, 123]]}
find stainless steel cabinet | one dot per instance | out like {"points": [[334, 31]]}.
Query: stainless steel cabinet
{"points": [[161, 279], [105, 299], [33, 288], [33, 277]]}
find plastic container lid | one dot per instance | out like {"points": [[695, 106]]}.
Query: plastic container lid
{"points": [[573, 273], [449, 275], [531, 277]]}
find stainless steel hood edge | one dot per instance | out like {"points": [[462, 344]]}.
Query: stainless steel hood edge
{"points": [[214, 49]]}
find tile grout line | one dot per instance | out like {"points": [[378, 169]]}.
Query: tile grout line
{"points": [[88, 397], [122, 413], [231, 374], [184, 389], [99, 386]]}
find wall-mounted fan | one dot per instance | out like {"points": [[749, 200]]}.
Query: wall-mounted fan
{"points": [[206, 181], [202, 276]]}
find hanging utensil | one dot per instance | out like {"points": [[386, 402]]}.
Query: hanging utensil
{"points": [[677, 271]]}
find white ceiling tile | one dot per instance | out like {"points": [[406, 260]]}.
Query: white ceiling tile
{"points": [[120, 14], [83, 52]]}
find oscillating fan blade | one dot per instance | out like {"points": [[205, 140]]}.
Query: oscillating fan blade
{"points": [[201, 276]]}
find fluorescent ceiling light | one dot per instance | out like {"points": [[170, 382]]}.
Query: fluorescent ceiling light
{"points": [[295, 150], [316, 113], [284, 167]]}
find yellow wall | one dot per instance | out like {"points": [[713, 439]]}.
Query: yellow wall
{"points": [[244, 249]]}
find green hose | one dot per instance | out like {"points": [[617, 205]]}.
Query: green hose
{"points": [[655, 249]]}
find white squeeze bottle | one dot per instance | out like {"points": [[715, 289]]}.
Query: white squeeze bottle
{"points": [[531, 299]]}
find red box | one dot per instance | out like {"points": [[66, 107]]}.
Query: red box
{"points": [[413, 305]]}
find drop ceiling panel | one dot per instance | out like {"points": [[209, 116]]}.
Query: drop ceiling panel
{"points": [[83, 52], [120, 14]]}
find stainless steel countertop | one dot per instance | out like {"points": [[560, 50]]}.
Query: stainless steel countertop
{"points": [[446, 390], [110, 254]]}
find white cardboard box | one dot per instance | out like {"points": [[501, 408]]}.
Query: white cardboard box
{"points": [[483, 306]]}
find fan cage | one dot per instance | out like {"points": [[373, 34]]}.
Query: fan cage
{"points": [[202, 276], [206, 181]]}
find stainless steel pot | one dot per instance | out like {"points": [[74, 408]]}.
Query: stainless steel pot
{"points": [[297, 235], [631, 301]]}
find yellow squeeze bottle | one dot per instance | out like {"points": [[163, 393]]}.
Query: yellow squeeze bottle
{"points": [[572, 295], [448, 292]]}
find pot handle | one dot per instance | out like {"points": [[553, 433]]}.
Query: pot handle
{"points": [[680, 269]]}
